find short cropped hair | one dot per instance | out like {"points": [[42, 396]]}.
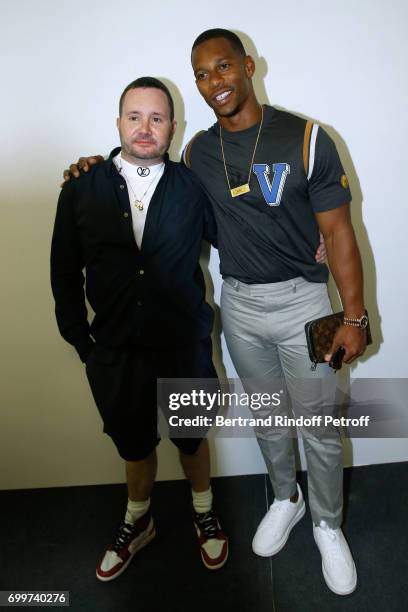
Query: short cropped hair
{"points": [[232, 38], [144, 82]]}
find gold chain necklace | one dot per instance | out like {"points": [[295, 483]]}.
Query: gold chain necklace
{"points": [[237, 191], [138, 201]]}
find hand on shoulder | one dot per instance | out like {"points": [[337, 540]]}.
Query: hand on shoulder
{"points": [[83, 163]]}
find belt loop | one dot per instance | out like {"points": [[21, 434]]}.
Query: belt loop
{"points": [[292, 282]]}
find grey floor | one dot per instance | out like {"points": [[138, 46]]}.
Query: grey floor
{"points": [[52, 538]]}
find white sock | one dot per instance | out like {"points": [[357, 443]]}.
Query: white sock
{"points": [[136, 509], [202, 501]]}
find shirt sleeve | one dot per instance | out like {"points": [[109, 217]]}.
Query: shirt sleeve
{"points": [[328, 185], [67, 278]]}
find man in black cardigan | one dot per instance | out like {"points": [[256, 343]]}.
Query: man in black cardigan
{"points": [[135, 224]]}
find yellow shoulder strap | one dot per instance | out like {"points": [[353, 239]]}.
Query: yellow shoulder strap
{"points": [[187, 150], [306, 145]]}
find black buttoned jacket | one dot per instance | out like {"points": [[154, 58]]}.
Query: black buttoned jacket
{"points": [[148, 297]]}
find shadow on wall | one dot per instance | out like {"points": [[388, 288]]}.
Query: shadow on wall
{"points": [[179, 115]]}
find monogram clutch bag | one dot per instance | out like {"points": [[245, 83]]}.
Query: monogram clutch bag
{"points": [[320, 334]]}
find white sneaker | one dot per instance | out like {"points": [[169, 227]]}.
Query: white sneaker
{"points": [[274, 529], [338, 566]]}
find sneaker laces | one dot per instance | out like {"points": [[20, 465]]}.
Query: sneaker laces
{"points": [[332, 544], [123, 537], [208, 524], [277, 508]]}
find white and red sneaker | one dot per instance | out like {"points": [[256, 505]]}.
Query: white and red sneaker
{"points": [[211, 539], [129, 539]]}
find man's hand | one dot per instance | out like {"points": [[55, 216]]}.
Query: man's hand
{"points": [[352, 339], [321, 252], [345, 265], [83, 163]]}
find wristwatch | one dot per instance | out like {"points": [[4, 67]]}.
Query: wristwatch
{"points": [[362, 322]]}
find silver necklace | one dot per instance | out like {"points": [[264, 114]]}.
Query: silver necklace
{"points": [[138, 202]]}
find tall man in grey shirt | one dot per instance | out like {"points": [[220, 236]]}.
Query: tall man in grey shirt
{"points": [[274, 180]]}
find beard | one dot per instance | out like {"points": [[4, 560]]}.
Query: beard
{"points": [[135, 151], [139, 153]]}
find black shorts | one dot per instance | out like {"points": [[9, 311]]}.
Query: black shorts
{"points": [[124, 386]]}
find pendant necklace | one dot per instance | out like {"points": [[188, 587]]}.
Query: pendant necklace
{"points": [[237, 191], [138, 202]]}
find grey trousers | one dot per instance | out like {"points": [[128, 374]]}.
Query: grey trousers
{"points": [[264, 331]]}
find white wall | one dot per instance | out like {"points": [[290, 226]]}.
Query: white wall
{"points": [[63, 66]]}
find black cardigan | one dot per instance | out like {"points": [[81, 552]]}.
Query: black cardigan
{"points": [[152, 297]]}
